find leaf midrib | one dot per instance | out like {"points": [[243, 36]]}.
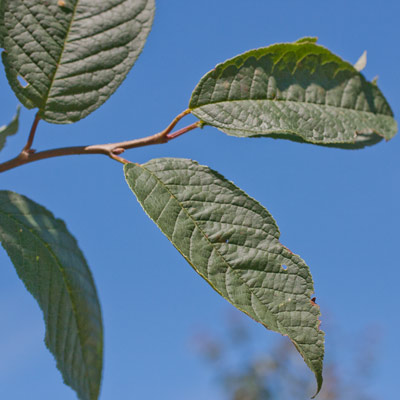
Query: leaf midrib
{"points": [[61, 269], [60, 56], [214, 247], [310, 361], [294, 102]]}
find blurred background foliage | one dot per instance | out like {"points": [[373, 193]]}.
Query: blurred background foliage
{"points": [[246, 369]]}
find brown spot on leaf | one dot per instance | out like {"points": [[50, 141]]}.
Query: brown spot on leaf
{"points": [[314, 301]]}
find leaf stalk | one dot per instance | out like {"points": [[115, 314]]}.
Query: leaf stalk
{"points": [[113, 150], [29, 143]]}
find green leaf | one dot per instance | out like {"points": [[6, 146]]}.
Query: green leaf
{"points": [[10, 129], [307, 39], [233, 243], [71, 54], [1, 24], [53, 269], [298, 91]]}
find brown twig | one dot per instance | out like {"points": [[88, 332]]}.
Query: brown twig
{"points": [[113, 150]]}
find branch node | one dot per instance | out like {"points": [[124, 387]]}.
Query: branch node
{"points": [[113, 150], [118, 151]]}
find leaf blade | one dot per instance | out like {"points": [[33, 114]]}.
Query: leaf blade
{"points": [[53, 269], [10, 129], [298, 91], [233, 243], [73, 57]]}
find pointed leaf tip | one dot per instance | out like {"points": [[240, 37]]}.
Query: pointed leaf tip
{"points": [[232, 241], [319, 379]]}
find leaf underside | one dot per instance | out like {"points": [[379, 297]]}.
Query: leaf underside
{"points": [[71, 55], [10, 129], [233, 243], [298, 91], [53, 269]]}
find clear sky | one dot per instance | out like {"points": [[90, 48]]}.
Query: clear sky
{"points": [[338, 209]]}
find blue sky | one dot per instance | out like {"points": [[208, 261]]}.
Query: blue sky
{"points": [[338, 209]]}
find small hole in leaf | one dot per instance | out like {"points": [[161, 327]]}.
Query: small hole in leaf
{"points": [[284, 267], [22, 81]]}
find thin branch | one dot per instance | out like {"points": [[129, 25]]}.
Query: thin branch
{"points": [[113, 150]]}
